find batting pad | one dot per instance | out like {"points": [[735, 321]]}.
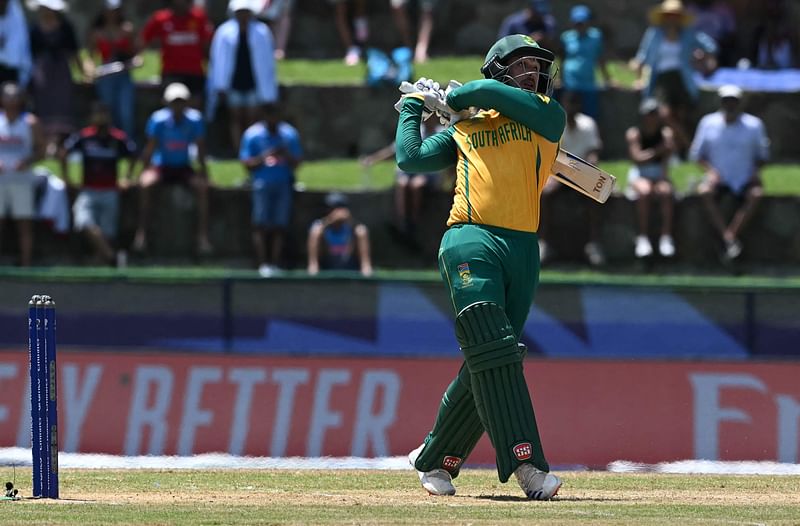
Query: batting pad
{"points": [[457, 429], [486, 337], [498, 387], [504, 405]]}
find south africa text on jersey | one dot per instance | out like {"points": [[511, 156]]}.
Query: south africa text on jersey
{"points": [[506, 132]]}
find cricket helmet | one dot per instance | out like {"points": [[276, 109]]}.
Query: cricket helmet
{"points": [[513, 48]]}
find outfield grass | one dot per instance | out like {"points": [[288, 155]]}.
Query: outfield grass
{"points": [[394, 497], [335, 72], [779, 179], [350, 175]]}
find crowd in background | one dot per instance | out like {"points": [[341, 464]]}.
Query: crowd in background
{"points": [[204, 68]]}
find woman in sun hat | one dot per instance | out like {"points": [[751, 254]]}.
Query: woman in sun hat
{"points": [[669, 49]]}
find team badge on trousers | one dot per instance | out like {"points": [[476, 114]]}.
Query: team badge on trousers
{"points": [[465, 274], [523, 451], [451, 463]]}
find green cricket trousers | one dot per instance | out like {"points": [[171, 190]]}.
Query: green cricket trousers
{"points": [[491, 274]]}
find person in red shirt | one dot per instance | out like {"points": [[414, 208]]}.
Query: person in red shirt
{"points": [[183, 33], [96, 208]]}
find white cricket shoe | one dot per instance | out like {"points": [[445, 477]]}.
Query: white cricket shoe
{"points": [[536, 484], [666, 246], [643, 247], [436, 481]]}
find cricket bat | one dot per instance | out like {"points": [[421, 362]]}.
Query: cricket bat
{"points": [[583, 176]]}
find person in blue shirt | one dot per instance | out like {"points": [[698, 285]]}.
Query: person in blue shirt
{"points": [[171, 131], [581, 53], [270, 150], [337, 241], [732, 147]]}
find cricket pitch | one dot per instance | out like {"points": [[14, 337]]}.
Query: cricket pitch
{"points": [[395, 497]]}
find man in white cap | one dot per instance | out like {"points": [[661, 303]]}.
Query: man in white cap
{"points": [[170, 133], [731, 146], [242, 67]]}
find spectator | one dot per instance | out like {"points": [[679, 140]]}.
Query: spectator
{"points": [[731, 146], [650, 146], [351, 42], [775, 42], [111, 40], [716, 19], [278, 14], [581, 52], [337, 241], [582, 138], [355, 40], [170, 132], [21, 145], [409, 189], [534, 21], [424, 31], [15, 53], [399, 12], [183, 32], [242, 67], [670, 48], [96, 209], [271, 152], [54, 48]]}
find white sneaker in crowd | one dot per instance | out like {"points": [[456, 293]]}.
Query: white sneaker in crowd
{"points": [[353, 56], [266, 271], [121, 259], [536, 484], [594, 254], [643, 247], [436, 481], [733, 249], [666, 247]]}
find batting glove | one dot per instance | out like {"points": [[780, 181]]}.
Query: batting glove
{"points": [[447, 115], [452, 85], [432, 94]]}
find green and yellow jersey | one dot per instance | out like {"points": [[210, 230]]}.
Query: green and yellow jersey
{"points": [[503, 155]]}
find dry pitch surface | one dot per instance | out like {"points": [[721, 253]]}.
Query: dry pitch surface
{"points": [[394, 497]]}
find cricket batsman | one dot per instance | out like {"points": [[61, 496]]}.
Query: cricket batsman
{"points": [[489, 256]]}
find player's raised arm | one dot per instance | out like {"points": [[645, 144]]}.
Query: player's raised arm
{"points": [[414, 155]]}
